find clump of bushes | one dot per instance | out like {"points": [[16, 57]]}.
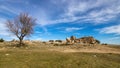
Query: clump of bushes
{"points": [[44, 42], [104, 44], [98, 41], [1, 40], [56, 44]]}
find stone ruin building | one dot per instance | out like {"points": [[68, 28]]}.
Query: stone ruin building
{"points": [[83, 40]]}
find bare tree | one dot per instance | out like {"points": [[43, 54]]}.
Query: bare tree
{"points": [[21, 26]]}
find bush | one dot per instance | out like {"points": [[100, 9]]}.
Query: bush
{"points": [[1, 40], [104, 44], [56, 44], [98, 41], [44, 42]]}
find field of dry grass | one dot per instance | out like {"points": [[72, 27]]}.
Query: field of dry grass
{"points": [[46, 55], [64, 48]]}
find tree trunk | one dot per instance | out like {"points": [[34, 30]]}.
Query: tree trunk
{"points": [[21, 43]]}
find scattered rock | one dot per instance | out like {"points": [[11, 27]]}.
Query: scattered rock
{"points": [[26, 48], [94, 55], [7, 54]]}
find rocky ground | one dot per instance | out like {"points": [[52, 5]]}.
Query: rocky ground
{"points": [[64, 48]]}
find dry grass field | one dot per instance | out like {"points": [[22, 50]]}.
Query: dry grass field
{"points": [[46, 55]]}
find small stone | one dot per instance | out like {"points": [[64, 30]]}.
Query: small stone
{"points": [[94, 55], [7, 54], [26, 47]]}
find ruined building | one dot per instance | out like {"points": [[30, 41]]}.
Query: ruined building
{"points": [[83, 40]]}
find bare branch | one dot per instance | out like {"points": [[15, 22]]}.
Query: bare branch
{"points": [[21, 26]]}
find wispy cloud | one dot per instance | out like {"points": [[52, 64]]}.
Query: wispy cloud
{"points": [[111, 30], [92, 11], [12, 8], [5, 34], [96, 12], [9, 9], [70, 29], [60, 12], [3, 27], [115, 38]]}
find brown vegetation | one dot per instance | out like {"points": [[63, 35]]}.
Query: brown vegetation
{"points": [[66, 48]]}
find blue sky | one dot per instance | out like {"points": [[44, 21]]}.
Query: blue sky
{"points": [[58, 19]]}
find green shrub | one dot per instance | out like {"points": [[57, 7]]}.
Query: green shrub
{"points": [[1, 40], [43, 42], [98, 41]]}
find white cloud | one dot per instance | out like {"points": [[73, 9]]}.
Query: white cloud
{"points": [[62, 20], [100, 10], [5, 34], [9, 9], [115, 38], [35, 38], [3, 27], [15, 7], [93, 11], [70, 29], [112, 29]]}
